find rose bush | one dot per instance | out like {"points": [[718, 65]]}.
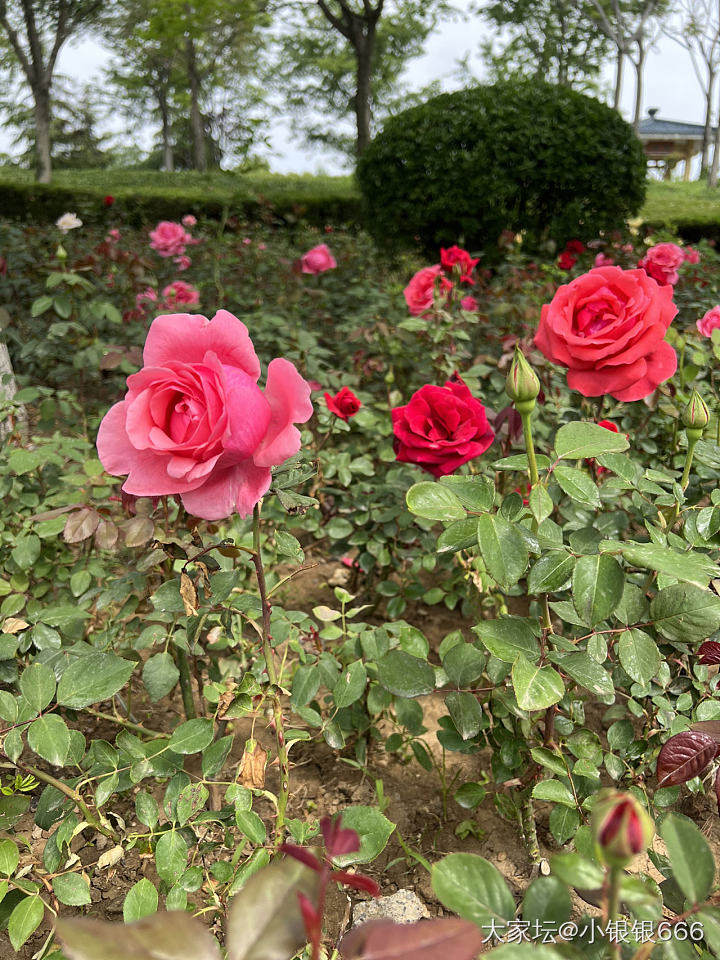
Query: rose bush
{"points": [[194, 421], [441, 428], [608, 327]]}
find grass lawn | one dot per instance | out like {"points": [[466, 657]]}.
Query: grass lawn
{"points": [[672, 203]]}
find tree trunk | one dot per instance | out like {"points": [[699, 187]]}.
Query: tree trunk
{"points": [[8, 389], [619, 66], [707, 132], [639, 70], [43, 168], [167, 149], [196, 123], [363, 113], [713, 175]]}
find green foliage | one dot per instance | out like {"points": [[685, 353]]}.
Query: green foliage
{"points": [[519, 156]]}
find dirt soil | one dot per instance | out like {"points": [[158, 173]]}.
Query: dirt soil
{"points": [[323, 784]]}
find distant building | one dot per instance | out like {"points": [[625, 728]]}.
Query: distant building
{"points": [[669, 142]]}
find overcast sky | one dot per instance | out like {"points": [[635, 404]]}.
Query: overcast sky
{"points": [[670, 85]]}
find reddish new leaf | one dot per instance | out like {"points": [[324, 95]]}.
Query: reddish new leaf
{"points": [[357, 880], [683, 757], [447, 938], [709, 652]]}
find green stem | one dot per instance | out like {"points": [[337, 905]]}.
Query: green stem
{"points": [[73, 795], [138, 728], [527, 821], [183, 665], [274, 693], [526, 415], [688, 462]]}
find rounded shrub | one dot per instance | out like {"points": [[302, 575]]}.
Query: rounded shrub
{"points": [[517, 155]]}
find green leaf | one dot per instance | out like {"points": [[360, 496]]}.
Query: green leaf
{"points": [[146, 808], [547, 758], [26, 551], [639, 655], [466, 713], [578, 440], [536, 688], [434, 501], [305, 685], [690, 856], [585, 671], [24, 920], [507, 637], [503, 550], [551, 572], [597, 586], [577, 485], [553, 792], [141, 901], [71, 889], [160, 675], [350, 685], [541, 503], [9, 857], [405, 675], [685, 613], [214, 756], [93, 678], [475, 493], [250, 824], [289, 546], [37, 685], [470, 795], [459, 535], [192, 736], [171, 856], [463, 664], [372, 828], [691, 568], [474, 889], [49, 737], [576, 871], [547, 901]]}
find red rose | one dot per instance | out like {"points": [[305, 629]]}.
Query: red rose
{"points": [[457, 257], [109, 201], [3, 267], [441, 428], [608, 327], [575, 246], [566, 261], [344, 404]]}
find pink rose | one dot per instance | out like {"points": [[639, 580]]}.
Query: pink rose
{"points": [[114, 235], [710, 322], [169, 239], [691, 255], [457, 257], [182, 262], [189, 220], [603, 260], [470, 304], [318, 260], [608, 328], [180, 292], [420, 292], [147, 296], [194, 421], [661, 262]]}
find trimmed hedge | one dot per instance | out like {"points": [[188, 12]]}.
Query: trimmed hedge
{"points": [[518, 155], [146, 197]]}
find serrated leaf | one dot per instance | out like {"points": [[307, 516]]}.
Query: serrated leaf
{"points": [[49, 737], [536, 688], [474, 889], [683, 757], [24, 920], [597, 586], [503, 550], [577, 485], [93, 678], [141, 901], [71, 889], [690, 856], [580, 440], [434, 501]]}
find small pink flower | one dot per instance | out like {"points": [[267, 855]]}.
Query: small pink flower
{"points": [[182, 262], [114, 235], [247, 241], [262, 246], [189, 220], [147, 296], [318, 260], [169, 239], [420, 292], [710, 322], [627, 248], [691, 255], [603, 260], [180, 292], [661, 262], [470, 304]]}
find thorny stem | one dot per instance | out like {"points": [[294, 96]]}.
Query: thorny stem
{"points": [[73, 795], [527, 822], [273, 678], [181, 661]]}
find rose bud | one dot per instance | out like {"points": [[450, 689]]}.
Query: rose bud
{"points": [[522, 385], [695, 416], [621, 827]]}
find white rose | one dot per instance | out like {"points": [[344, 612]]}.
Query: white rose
{"points": [[68, 221]]}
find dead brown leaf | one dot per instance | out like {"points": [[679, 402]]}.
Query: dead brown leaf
{"points": [[252, 765]]}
